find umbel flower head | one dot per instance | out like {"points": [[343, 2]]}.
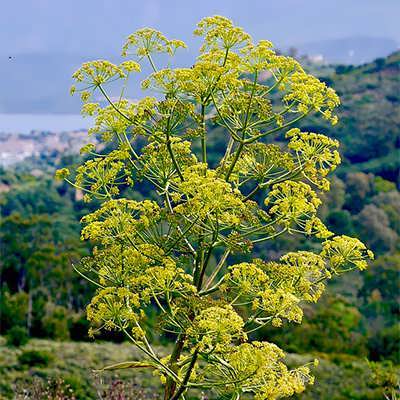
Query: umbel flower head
{"points": [[294, 205], [167, 251], [346, 253], [257, 368]]}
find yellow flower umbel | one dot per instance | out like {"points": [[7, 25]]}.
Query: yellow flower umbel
{"points": [[169, 254], [215, 328], [346, 253], [257, 368], [317, 155], [294, 205]]}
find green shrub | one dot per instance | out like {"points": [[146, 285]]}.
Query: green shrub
{"points": [[13, 308], [17, 336], [385, 344], [78, 327], [55, 322], [35, 358]]}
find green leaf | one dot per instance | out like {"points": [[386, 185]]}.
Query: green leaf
{"points": [[125, 365]]}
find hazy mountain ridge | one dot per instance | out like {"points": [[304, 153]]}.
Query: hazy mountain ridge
{"points": [[39, 82], [351, 50], [369, 117]]}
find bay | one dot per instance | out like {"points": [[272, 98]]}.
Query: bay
{"points": [[25, 123]]}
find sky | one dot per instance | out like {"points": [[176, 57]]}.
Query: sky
{"points": [[89, 27], [43, 41]]}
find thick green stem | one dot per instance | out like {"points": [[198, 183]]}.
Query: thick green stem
{"points": [[246, 121], [113, 105], [183, 386], [227, 152], [206, 259], [153, 66], [171, 152], [217, 268], [170, 386], [204, 137], [235, 160], [203, 269]]}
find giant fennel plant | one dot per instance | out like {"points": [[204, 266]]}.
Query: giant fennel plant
{"points": [[173, 255]]}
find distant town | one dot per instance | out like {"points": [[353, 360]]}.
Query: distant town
{"points": [[16, 147]]}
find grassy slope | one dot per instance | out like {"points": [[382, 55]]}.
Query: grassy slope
{"points": [[74, 362], [340, 378]]}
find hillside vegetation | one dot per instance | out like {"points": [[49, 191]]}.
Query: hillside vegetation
{"points": [[369, 116], [43, 297], [38, 365]]}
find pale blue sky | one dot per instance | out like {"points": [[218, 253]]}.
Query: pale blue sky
{"points": [[43, 41], [99, 26]]}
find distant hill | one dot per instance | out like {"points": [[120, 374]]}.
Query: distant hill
{"points": [[39, 82], [352, 50], [369, 117]]}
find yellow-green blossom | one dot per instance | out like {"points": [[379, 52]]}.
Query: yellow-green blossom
{"points": [[215, 328], [257, 368], [294, 205], [345, 253]]}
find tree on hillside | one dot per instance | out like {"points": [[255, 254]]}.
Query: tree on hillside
{"points": [[175, 254]]}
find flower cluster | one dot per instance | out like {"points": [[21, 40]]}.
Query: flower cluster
{"points": [[261, 57], [242, 108], [120, 120], [209, 197], [302, 272], [262, 162], [257, 368], [316, 153], [346, 253], [164, 280], [275, 304], [98, 72], [92, 75], [294, 205], [119, 220], [276, 289], [208, 76], [121, 265], [114, 308], [164, 81], [101, 176], [157, 164], [247, 278], [62, 173], [220, 33], [147, 41], [309, 93], [215, 328]]}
